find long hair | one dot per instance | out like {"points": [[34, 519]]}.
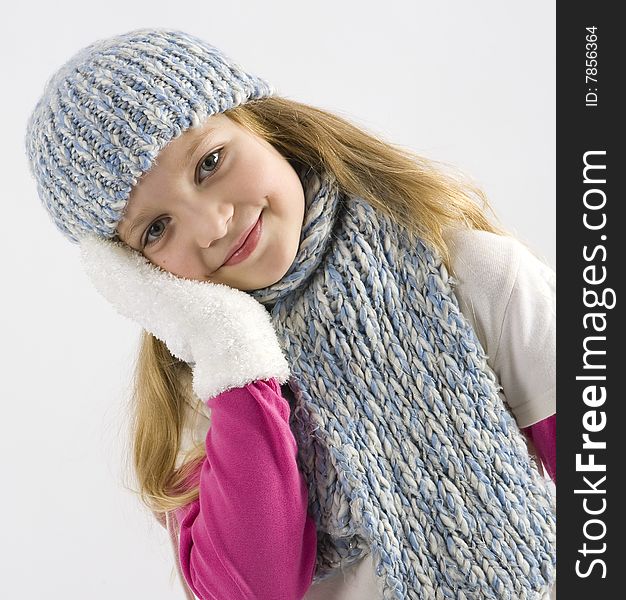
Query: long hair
{"points": [[423, 195]]}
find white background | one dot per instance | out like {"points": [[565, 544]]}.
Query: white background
{"points": [[470, 83]]}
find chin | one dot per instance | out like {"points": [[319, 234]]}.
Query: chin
{"points": [[261, 283], [264, 279]]}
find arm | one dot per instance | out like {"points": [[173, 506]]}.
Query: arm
{"points": [[542, 436], [248, 535], [509, 296], [529, 340]]}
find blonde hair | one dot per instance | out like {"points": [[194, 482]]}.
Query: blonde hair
{"points": [[423, 195]]}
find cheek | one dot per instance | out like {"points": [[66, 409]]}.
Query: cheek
{"points": [[177, 264], [254, 177]]}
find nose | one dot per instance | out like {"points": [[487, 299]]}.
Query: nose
{"points": [[211, 224]]}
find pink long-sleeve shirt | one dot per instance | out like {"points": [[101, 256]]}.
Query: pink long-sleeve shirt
{"points": [[248, 535]]}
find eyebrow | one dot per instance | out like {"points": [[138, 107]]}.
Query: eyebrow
{"points": [[195, 144]]}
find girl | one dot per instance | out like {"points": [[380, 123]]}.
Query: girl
{"points": [[328, 321]]}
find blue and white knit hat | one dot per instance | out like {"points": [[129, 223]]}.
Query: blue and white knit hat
{"points": [[106, 113]]}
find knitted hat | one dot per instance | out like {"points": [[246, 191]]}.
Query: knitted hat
{"points": [[105, 115]]}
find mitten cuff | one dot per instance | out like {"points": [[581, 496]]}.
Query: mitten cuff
{"points": [[210, 381]]}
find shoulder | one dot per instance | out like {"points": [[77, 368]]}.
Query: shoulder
{"points": [[489, 257], [496, 276], [484, 267], [477, 252]]}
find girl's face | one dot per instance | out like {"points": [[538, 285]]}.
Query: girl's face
{"points": [[207, 189]]}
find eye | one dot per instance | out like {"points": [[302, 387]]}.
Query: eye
{"points": [[156, 228], [209, 163]]}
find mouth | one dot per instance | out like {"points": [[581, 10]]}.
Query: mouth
{"points": [[247, 245]]}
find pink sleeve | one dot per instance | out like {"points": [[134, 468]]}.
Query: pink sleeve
{"points": [[248, 535], [543, 436]]}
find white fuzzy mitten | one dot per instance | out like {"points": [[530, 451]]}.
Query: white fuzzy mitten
{"points": [[225, 335]]}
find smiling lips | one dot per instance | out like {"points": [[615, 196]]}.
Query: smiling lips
{"points": [[250, 242]]}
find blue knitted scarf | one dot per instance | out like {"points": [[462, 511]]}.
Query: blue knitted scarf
{"points": [[406, 447]]}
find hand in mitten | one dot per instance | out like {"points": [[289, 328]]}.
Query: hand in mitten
{"points": [[224, 334]]}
